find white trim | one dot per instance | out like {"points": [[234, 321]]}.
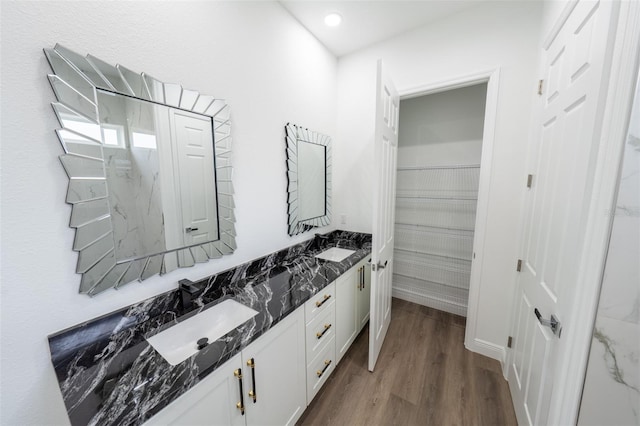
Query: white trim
{"points": [[569, 379], [492, 78], [457, 82], [487, 349]]}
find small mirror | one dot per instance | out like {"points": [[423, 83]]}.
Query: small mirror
{"points": [[149, 171], [309, 176]]}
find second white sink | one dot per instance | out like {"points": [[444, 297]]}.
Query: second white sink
{"points": [[179, 342], [335, 254]]}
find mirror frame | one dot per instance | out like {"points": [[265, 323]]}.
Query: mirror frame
{"points": [[75, 81], [294, 134]]}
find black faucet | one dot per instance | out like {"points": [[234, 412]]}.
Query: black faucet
{"points": [[188, 290], [319, 241]]}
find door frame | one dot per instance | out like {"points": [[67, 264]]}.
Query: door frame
{"points": [[492, 78]]}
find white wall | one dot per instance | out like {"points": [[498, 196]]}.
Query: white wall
{"points": [[254, 55], [499, 34], [442, 128]]}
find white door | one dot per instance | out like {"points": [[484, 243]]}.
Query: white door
{"points": [[194, 141], [565, 146], [386, 154]]}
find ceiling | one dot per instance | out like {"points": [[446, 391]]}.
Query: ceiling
{"points": [[367, 22]]}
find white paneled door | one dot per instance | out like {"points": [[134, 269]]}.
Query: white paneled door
{"points": [[566, 140], [193, 138], [386, 154]]}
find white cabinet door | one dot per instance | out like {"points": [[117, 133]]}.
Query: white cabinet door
{"points": [[346, 315], [278, 376], [211, 402], [273, 370], [364, 292]]}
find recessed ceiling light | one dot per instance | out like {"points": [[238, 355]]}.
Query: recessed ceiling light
{"points": [[332, 19]]}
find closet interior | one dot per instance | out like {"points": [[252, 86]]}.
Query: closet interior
{"points": [[439, 159]]}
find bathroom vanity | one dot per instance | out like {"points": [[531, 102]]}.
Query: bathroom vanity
{"points": [[266, 370], [149, 167]]}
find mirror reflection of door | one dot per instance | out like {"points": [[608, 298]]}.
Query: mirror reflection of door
{"points": [[195, 175], [311, 180]]}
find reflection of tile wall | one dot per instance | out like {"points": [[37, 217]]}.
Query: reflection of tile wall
{"points": [[134, 197], [612, 387]]}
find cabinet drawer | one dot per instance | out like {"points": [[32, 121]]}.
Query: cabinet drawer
{"points": [[321, 330], [320, 368], [319, 302]]}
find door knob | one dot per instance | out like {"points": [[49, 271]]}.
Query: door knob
{"points": [[379, 266], [552, 323], [189, 229]]}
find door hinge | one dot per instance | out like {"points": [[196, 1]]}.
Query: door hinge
{"points": [[519, 266], [529, 180], [540, 84], [509, 341]]}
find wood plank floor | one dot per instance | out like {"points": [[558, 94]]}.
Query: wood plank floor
{"points": [[424, 376]]}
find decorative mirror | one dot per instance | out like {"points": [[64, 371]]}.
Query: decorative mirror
{"points": [[309, 176], [149, 166]]}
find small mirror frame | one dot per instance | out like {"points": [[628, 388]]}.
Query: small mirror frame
{"points": [[75, 81], [293, 134]]}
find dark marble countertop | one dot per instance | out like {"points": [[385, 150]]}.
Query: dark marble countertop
{"points": [[108, 373]]}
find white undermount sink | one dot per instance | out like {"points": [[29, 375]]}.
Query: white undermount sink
{"points": [[178, 342], [335, 254]]}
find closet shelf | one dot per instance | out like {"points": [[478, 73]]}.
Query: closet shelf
{"points": [[423, 261], [443, 256], [447, 167], [424, 197], [413, 284], [438, 270], [444, 283], [430, 294], [446, 228], [437, 213], [435, 221], [439, 232]]}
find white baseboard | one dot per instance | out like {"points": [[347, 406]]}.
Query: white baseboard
{"points": [[488, 349]]}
